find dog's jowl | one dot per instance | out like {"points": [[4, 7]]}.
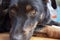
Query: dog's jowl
{"points": [[26, 14]]}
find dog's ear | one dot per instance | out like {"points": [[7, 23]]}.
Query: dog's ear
{"points": [[53, 4]]}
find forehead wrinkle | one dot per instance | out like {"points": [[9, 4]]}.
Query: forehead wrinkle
{"points": [[37, 3]]}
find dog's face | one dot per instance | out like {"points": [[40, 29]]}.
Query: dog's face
{"points": [[26, 14], [29, 11]]}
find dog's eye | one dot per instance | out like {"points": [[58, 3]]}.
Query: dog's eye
{"points": [[29, 9], [14, 9]]}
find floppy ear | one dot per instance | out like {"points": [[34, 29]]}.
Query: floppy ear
{"points": [[53, 4]]}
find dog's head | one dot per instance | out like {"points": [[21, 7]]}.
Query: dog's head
{"points": [[27, 13]]}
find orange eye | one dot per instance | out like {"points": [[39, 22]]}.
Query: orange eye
{"points": [[28, 8], [14, 8], [33, 12]]}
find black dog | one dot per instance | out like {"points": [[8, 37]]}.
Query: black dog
{"points": [[25, 15], [4, 15]]}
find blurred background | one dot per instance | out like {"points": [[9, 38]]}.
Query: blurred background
{"points": [[58, 2], [58, 11]]}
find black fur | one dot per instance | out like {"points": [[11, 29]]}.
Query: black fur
{"points": [[4, 16], [23, 23]]}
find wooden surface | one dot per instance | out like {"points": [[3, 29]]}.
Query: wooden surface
{"points": [[5, 36], [52, 31]]}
